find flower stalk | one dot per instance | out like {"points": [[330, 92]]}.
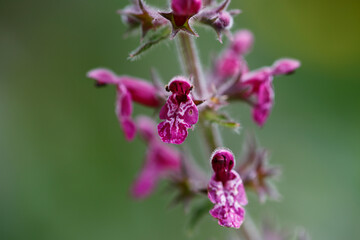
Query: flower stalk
{"points": [[191, 64]]}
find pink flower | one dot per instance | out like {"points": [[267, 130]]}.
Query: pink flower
{"points": [[124, 111], [259, 84], [254, 79], [128, 89], [243, 42], [185, 7], [179, 113], [264, 104], [285, 66], [226, 190], [160, 161]]}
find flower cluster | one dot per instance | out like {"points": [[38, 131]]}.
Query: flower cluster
{"points": [[256, 86], [179, 106]]}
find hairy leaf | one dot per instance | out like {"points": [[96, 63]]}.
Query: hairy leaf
{"points": [[221, 119], [153, 39]]}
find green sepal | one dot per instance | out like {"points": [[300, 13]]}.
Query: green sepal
{"points": [[152, 39], [198, 212], [175, 28]]}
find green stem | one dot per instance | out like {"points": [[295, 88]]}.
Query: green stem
{"points": [[191, 63], [248, 229]]}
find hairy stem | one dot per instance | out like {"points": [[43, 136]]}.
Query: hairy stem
{"points": [[191, 63], [209, 136], [248, 229]]}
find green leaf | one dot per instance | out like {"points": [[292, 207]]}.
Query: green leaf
{"points": [[221, 119], [198, 212], [155, 38]]}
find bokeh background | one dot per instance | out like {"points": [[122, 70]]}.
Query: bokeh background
{"points": [[65, 168]]}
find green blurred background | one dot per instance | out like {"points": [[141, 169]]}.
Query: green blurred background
{"points": [[65, 168]]}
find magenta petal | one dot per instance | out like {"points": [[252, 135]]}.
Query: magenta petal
{"points": [[129, 128], [124, 111], [260, 75], [260, 115], [228, 197], [232, 219], [191, 114], [180, 85], [264, 104], [241, 196], [141, 91], [285, 66], [146, 128], [266, 95], [257, 78], [163, 157], [123, 103], [171, 132], [103, 76], [144, 184], [163, 114]]}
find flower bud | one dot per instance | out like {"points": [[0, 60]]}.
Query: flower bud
{"points": [[243, 41], [127, 18], [224, 21], [185, 7], [103, 76], [285, 66], [228, 65]]}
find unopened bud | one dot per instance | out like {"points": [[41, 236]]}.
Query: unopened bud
{"points": [[224, 21], [243, 41], [285, 66], [185, 7]]}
